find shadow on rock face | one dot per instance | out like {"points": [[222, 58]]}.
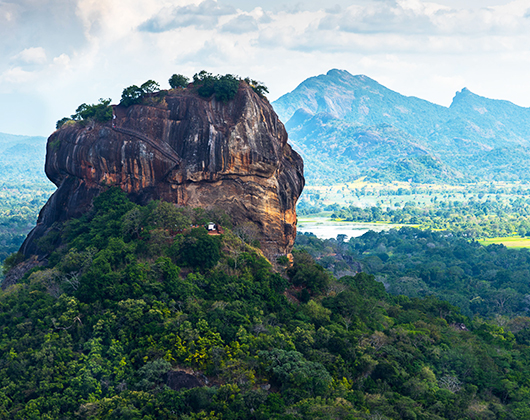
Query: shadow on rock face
{"points": [[186, 150]]}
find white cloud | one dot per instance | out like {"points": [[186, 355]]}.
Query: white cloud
{"points": [[241, 24], [72, 51], [16, 75], [204, 15], [34, 55]]}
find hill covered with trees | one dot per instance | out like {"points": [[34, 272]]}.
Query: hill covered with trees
{"points": [[134, 316], [347, 126], [24, 189]]}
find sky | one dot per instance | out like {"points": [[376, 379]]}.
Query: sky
{"points": [[58, 54]]}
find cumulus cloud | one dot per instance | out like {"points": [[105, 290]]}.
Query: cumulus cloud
{"points": [[204, 15], [74, 51], [240, 25], [34, 55], [15, 75]]}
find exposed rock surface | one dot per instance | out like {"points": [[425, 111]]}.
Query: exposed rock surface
{"points": [[183, 149]]}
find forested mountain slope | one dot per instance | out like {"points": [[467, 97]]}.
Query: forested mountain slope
{"points": [[24, 188], [22, 158], [131, 319], [346, 126]]}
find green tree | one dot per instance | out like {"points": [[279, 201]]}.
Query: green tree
{"points": [[178, 80], [150, 87], [131, 95], [200, 250]]}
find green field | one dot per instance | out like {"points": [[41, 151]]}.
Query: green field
{"points": [[508, 242]]}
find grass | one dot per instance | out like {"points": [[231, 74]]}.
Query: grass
{"points": [[508, 242]]}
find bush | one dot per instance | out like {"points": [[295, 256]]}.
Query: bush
{"points": [[131, 95], [223, 87], [100, 112], [178, 80], [12, 261], [62, 122], [200, 250], [257, 87]]}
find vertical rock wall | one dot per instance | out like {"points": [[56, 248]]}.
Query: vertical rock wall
{"points": [[183, 149]]}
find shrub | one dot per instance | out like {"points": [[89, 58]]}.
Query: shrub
{"points": [[150, 87], [223, 87], [257, 87], [178, 80], [200, 250], [101, 112], [131, 95]]}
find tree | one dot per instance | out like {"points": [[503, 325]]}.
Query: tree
{"points": [[101, 112], [200, 249], [62, 122], [131, 95], [256, 86], [223, 87], [178, 80], [226, 87], [150, 87]]}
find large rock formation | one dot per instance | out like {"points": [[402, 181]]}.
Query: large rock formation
{"points": [[183, 149]]}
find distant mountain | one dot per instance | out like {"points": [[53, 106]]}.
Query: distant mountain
{"points": [[346, 126], [22, 158]]}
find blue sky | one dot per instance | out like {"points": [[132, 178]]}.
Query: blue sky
{"points": [[57, 54]]}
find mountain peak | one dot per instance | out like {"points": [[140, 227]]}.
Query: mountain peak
{"points": [[464, 95]]}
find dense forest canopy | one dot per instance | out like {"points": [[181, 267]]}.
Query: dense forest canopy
{"points": [[122, 308], [483, 281]]}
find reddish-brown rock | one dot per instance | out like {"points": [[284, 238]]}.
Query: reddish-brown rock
{"points": [[183, 149]]}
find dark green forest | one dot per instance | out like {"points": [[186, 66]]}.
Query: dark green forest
{"points": [[489, 282], [128, 300]]}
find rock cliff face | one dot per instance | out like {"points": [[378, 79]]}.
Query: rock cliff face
{"points": [[186, 150]]}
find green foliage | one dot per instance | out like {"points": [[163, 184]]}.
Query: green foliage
{"points": [[178, 80], [12, 261], [22, 194], [131, 95], [62, 122], [98, 332], [134, 95], [100, 112], [294, 374], [223, 87], [304, 272], [150, 87], [474, 218], [485, 281], [200, 249], [257, 87]]}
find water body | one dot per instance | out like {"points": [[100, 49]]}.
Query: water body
{"points": [[324, 228]]}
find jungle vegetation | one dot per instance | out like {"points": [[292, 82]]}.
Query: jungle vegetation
{"points": [[123, 304]]}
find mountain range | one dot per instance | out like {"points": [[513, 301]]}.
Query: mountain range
{"points": [[347, 126], [22, 158]]}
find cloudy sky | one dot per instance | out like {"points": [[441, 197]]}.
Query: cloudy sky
{"points": [[57, 54]]}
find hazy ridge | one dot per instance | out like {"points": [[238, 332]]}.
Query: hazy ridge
{"points": [[346, 126]]}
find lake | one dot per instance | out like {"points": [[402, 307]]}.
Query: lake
{"points": [[324, 228]]}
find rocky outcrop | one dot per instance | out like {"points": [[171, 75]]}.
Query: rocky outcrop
{"points": [[181, 148]]}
